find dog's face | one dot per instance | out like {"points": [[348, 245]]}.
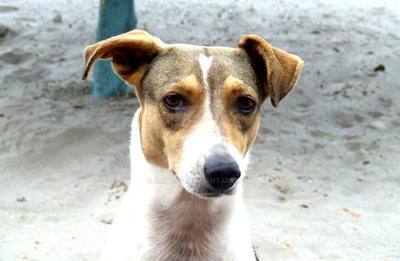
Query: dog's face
{"points": [[200, 105]]}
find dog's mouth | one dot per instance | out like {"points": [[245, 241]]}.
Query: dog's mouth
{"points": [[205, 192], [198, 185], [214, 194]]}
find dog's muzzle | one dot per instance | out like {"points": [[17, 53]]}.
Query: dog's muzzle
{"points": [[221, 172]]}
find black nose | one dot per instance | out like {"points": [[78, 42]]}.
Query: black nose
{"points": [[221, 171]]}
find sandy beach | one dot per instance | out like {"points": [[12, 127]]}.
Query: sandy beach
{"points": [[324, 178]]}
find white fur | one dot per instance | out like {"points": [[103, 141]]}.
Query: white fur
{"points": [[131, 235], [205, 64], [158, 206]]}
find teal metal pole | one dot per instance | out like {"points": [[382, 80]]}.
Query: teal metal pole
{"points": [[115, 17]]}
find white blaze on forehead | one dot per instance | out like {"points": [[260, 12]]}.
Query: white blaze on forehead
{"points": [[205, 64]]}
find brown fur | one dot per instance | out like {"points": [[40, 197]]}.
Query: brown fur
{"points": [[277, 69], [240, 130], [131, 54], [163, 132], [255, 68]]}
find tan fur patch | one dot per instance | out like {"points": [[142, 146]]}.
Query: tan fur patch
{"points": [[153, 145], [241, 130], [190, 87], [163, 132]]}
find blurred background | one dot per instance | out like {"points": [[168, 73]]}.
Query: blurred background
{"points": [[324, 177]]}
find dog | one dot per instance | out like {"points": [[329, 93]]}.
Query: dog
{"points": [[198, 118]]}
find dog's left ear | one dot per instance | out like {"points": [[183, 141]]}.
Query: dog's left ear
{"points": [[131, 54], [277, 70]]}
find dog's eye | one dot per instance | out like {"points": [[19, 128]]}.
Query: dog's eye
{"points": [[245, 105], [175, 102]]}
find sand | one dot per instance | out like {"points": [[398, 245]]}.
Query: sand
{"points": [[325, 172]]}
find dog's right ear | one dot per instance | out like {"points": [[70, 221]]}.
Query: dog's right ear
{"points": [[131, 54]]}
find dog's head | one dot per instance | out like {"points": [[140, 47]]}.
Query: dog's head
{"points": [[200, 105]]}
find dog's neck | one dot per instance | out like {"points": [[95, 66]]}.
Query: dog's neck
{"points": [[181, 226]]}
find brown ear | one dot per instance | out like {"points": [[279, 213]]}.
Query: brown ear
{"points": [[277, 70], [131, 54]]}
